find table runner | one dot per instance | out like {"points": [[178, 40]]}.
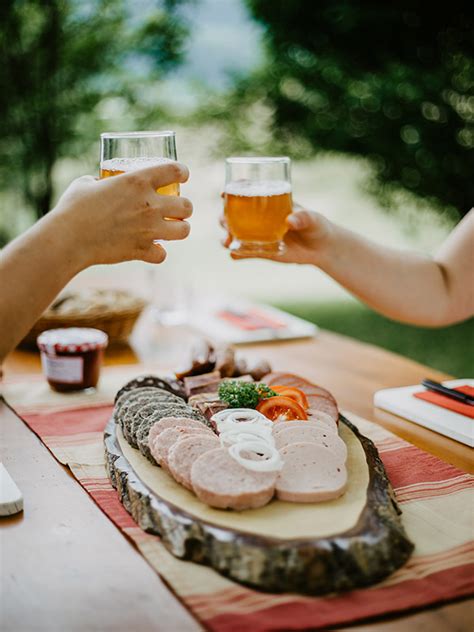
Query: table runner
{"points": [[436, 499]]}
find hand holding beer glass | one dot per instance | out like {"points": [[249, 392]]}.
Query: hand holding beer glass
{"points": [[257, 201], [122, 152]]}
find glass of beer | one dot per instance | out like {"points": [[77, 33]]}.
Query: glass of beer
{"points": [[257, 201], [121, 152]]}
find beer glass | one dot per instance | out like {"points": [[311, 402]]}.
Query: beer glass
{"points": [[257, 201], [121, 152]]}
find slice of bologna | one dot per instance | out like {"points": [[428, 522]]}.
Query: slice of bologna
{"points": [[166, 439], [310, 474], [235, 487], [330, 428], [171, 422], [312, 434], [184, 452]]}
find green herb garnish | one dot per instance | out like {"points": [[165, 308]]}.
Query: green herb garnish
{"points": [[238, 394]]}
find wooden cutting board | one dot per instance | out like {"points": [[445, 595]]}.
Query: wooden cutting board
{"points": [[353, 541]]}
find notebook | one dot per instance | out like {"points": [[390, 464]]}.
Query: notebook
{"points": [[401, 402], [237, 321]]}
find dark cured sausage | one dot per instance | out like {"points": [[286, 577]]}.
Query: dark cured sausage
{"points": [[289, 379]]}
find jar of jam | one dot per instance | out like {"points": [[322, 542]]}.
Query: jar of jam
{"points": [[72, 357]]}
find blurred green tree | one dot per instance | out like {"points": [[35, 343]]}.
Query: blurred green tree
{"points": [[390, 81], [60, 58]]}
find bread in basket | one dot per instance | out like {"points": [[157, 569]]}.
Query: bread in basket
{"points": [[112, 311]]}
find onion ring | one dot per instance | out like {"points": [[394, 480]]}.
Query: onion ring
{"points": [[271, 464]]}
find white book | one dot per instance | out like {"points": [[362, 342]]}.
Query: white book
{"points": [[401, 402]]}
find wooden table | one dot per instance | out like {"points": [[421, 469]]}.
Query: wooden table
{"points": [[66, 567]]}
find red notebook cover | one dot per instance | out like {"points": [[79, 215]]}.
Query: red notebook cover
{"points": [[450, 404]]}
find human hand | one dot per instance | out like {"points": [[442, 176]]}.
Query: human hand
{"points": [[117, 219], [306, 240]]}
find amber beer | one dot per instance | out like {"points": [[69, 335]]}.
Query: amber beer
{"points": [[121, 152], [257, 211], [117, 166], [257, 201]]}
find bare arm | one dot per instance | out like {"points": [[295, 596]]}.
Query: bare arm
{"points": [[104, 221], [405, 286]]}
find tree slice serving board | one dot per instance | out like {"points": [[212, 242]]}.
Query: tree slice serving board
{"points": [[282, 547]]}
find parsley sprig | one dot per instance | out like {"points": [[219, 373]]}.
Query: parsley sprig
{"points": [[238, 394]]}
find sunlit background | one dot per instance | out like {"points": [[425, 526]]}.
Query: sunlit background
{"points": [[373, 103]]}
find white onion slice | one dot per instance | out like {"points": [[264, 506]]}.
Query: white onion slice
{"points": [[250, 432], [241, 416], [238, 415], [272, 462], [229, 438], [228, 411], [241, 419], [246, 426]]}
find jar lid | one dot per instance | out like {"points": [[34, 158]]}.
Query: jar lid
{"points": [[72, 340]]}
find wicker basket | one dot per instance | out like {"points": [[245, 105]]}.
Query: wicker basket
{"points": [[117, 322]]}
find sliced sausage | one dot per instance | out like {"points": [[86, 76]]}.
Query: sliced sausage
{"points": [[166, 439], [311, 473], [289, 379], [278, 377], [171, 422], [319, 403], [235, 487], [184, 452], [282, 425], [312, 434]]}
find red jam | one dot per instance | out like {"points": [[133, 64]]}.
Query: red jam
{"points": [[72, 357]]}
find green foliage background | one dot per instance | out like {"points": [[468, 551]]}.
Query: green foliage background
{"points": [[392, 82], [60, 60], [449, 349]]}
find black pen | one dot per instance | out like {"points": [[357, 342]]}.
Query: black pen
{"points": [[437, 387]]}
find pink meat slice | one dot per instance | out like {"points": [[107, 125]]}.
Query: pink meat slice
{"points": [[171, 422], [220, 481], [165, 440], [311, 473], [312, 434], [320, 420], [295, 423], [184, 453], [321, 404]]}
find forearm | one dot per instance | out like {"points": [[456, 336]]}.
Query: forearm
{"points": [[33, 270], [401, 285]]}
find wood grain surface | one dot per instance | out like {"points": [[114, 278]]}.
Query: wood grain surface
{"points": [[64, 566]]}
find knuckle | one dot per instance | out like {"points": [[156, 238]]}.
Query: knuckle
{"points": [[136, 180], [147, 212]]}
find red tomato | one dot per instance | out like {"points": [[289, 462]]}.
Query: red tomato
{"points": [[281, 408], [293, 393]]}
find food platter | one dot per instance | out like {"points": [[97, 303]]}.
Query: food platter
{"points": [[314, 548]]}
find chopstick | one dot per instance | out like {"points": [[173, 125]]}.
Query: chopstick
{"points": [[437, 387]]}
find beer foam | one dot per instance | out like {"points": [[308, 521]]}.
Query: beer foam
{"points": [[257, 188], [132, 164]]}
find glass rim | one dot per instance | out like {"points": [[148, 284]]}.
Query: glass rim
{"points": [[253, 160], [147, 134]]}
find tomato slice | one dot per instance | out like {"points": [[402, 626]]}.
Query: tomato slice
{"points": [[281, 408], [293, 393]]}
